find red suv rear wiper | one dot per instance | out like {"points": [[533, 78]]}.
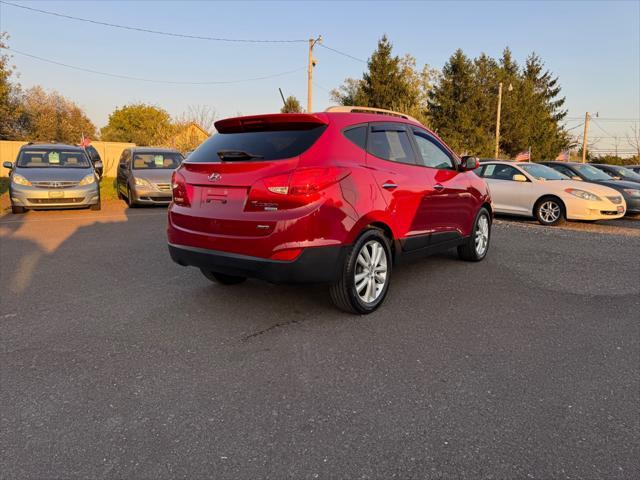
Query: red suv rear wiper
{"points": [[237, 155]]}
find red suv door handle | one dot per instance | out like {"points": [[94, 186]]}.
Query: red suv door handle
{"points": [[389, 185], [438, 187]]}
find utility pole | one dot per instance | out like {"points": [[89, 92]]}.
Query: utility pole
{"points": [[498, 116], [312, 64], [584, 137], [498, 119]]}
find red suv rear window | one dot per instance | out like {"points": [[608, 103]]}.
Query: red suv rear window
{"points": [[258, 145]]}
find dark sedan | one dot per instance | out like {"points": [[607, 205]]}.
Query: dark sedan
{"points": [[635, 168], [588, 173], [618, 173]]}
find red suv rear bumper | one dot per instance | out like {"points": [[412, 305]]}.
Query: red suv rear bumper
{"points": [[313, 265]]}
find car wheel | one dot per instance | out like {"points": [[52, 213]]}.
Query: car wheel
{"points": [[549, 211], [130, 202], [96, 206], [120, 195], [222, 278], [366, 274], [17, 210], [476, 246]]}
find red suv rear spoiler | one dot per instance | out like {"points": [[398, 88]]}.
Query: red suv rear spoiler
{"points": [[275, 121]]}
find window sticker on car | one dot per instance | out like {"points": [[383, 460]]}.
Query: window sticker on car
{"points": [[54, 157], [158, 160]]}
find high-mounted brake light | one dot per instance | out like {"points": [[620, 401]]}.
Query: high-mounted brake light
{"points": [[298, 188]]}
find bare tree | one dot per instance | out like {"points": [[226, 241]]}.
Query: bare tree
{"points": [[202, 115], [634, 139]]}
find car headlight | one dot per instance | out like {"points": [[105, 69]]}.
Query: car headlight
{"points": [[20, 180], [632, 192], [583, 194], [88, 180], [141, 182]]}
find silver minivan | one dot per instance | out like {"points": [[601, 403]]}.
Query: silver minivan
{"points": [[51, 176], [144, 175]]}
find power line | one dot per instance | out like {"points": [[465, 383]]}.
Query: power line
{"points": [[126, 77], [607, 119], [573, 128], [148, 30], [321, 87], [343, 53], [603, 130]]}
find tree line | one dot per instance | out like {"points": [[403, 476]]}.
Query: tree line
{"points": [[460, 101]]}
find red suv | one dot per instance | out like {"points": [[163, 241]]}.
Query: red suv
{"points": [[336, 197]]}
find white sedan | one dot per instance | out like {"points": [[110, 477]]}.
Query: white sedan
{"points": [[530, 189]]}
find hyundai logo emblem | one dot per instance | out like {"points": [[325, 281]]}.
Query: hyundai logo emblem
{"points": [[214, 177]]}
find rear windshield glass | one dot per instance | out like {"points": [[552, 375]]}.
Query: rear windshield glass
{"points": [[52, 158], [256, 146], [145, 161]]}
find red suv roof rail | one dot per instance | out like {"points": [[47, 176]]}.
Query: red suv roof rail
{"points": [[273, 121], [371, 110]]}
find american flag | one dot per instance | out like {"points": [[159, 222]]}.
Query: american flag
{"points": [[85, 141], [523, 156], [563, 156]]}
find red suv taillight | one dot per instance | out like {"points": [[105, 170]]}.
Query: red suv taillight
{"points": [[292, 190], [180, 189]]}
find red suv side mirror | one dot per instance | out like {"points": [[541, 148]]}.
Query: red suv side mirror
{"points": [[469, 163]]}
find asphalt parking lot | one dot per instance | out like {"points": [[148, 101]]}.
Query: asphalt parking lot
{"points": [[117, 363]]}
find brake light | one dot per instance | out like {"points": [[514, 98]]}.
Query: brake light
{"points": [[298, 188], [181, 191]]}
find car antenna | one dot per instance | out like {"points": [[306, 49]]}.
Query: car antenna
{"points": [[283, 100]]}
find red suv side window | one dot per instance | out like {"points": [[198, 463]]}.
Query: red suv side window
{"points": [[391, 142], [357, 135], [433, 154]]}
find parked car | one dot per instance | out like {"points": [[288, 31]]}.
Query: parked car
{"points": [[94, 156], [588, 173], [335, 197], [635, 168], [530, 189], [49, 176], [144, 175], [617, 172]]}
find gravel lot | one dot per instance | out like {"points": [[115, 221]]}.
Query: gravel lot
{"points": [[117, 363]]}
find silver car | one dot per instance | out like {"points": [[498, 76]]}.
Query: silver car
{"points": [[144, 175], [48, 176]]}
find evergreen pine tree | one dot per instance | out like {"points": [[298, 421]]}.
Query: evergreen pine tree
{"points": [[451, 104], [384, 85]]}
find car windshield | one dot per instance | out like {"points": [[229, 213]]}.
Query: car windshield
{"points": [[156, 160], [52, 158], [542, 172], [591, 173], [626, 173]]}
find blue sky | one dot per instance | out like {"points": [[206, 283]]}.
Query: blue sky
{"points": [[593, 46]]}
